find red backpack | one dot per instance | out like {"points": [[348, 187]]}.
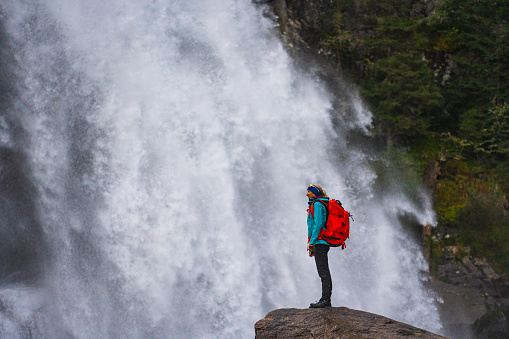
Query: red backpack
{"points": [[338, 223]]}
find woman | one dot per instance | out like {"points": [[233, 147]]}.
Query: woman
{"points": [[317, 219]]}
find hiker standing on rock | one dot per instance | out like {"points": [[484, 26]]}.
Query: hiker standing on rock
{"points": [[317, 219]]}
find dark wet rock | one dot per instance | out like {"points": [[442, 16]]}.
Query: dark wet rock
{"points": [[459, 307], [475, 299], [493, 324], [502, 286]]}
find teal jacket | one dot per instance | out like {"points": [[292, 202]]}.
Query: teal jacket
{"points": [[317, 222]]}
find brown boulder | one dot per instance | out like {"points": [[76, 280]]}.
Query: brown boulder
{"points": [[333, 322]]}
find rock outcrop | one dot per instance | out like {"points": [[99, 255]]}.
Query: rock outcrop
{"points": [[475, 299], [334, 322]]}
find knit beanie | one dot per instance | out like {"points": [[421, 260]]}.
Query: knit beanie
{"points": [[314, 189]]}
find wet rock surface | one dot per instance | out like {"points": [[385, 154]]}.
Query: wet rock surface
{"points": [[474, 299], [334, 322]]}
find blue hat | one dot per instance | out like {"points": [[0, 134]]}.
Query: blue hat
{"points": [[314, 189]]}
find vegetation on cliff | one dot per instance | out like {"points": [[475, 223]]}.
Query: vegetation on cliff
{"points": [[436, 77]]}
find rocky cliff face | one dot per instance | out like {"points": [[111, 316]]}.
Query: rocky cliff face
{"points": [[334, 322], [299, 22], [475, 299]]}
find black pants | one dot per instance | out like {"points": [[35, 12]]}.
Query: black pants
{"points": [[322, 266]]}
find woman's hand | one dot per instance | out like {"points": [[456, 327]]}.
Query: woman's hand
{"points": [[311, 250]]}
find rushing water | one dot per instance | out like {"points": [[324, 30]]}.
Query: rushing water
{"points": [[154, 159]]}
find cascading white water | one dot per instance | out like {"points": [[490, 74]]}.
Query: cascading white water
{"points": [[170, 144]]}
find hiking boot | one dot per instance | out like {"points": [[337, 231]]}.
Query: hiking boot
{"points": [[320, 304]]}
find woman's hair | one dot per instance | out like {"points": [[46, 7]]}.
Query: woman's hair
{"points": [[324, 194]]}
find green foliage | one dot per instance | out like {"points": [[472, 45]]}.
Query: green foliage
{"points": [[450, 200], [487, 133], [486, 228], [477, 35], [405, 94], [399, 82], [426, 72], [470, 198], [445, 40]]}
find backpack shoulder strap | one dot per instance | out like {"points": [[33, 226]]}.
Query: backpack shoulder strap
{"points": [[325, 204]]}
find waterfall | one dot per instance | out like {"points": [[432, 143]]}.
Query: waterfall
{"points": [[154, 159]]}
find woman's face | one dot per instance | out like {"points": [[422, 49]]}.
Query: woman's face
{"points": [[310, 195]]}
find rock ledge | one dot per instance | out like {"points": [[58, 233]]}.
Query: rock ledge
{"points": [[334, 322]]}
